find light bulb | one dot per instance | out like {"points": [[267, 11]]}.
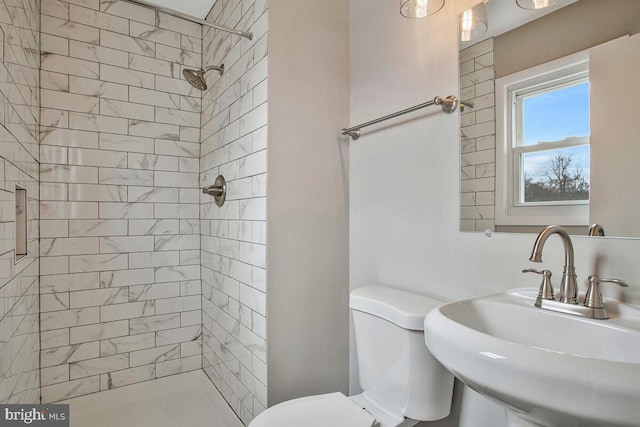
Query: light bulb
{"points": [[473, 23], [420, 8], [541, 4], [467, 22]]}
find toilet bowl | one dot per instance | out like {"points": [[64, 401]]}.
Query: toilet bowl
{"points": [[403, 383]]}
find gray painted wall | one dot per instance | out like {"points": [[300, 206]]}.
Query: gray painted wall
{"points": [[307, 198]]}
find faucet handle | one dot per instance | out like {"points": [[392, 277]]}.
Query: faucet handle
{"points": [[593, 298], [546, 289]]}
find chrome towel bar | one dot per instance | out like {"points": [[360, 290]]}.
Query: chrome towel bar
{"points": [[448, 104]]}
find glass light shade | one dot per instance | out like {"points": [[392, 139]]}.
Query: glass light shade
{"points": [[535, 4], [420, 8], [473, 23]]}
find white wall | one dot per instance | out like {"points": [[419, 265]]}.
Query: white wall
{"points": [[404, 194], [307, 200]]}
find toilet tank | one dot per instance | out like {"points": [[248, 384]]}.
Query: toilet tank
{"points": [[395, 368]]}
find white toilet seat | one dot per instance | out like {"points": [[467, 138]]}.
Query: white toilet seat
{"points": [[323, 410]]}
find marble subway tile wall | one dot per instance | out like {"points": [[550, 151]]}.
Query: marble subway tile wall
{"points": [[234, 143], [478, 138], [120, 243], [19, 156]]}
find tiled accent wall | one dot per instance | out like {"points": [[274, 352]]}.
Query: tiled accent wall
{"points": [[234, 142], [478, 140], [120, 244], [19, 121]]}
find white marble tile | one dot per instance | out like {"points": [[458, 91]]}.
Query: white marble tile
{"points": [[70, 30], [154, 259], [152, 162], [71, 66], [54, 44], [101, 54], [126, 43], [127, 311], [68, 101], [86, 368], [69, 246], [98, 19], [57, 8], [180, 335], [54, 375], [92, 87], [155, 291], [154, 130], [69, 318], [153, 195], [125, 377], [125, 176], [67, 390], [177, 305], [110, 279], [126, 244], [127, 343], [177, 148], [69, 138], [154, 355], [154, 323], [128, 11], [178, 366], [101, 262], [97, 193], [69, 282], [126, 143], [96, 298], [154, 227], [79, 228], [124, 76], [54, 265], [153, 97], [154, 34], [54, 338], [68, 354], [100, 331], [54, 302]]}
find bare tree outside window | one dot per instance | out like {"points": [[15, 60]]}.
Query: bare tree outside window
{"points": [[557, 181]]}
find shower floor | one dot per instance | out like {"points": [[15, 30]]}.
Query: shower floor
{"points": [[183, 400]]}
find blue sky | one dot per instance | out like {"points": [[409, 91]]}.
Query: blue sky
{"points": [[554, 116]]}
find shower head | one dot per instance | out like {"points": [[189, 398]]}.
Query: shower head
{"points": [[196, 77]]}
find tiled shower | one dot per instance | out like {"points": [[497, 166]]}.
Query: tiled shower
{"points": [[137, 275]]}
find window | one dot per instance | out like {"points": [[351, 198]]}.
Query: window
{"points": [[542, 135]]}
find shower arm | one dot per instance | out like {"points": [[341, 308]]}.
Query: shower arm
{"points": [[219, 69]]}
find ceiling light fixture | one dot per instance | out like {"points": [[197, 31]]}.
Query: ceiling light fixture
{"points": [[420, 8], [473, 22], [535, 4]]}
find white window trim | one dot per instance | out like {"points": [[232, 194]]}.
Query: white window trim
{"points": [[507, 211]]}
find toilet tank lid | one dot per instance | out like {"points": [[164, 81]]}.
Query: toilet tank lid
{"points": [[405, 309]]}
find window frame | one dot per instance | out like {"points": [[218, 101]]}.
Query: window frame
{"points": [[509, 210]]}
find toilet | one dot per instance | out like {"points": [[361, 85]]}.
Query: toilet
{"points": [[403, 383]]}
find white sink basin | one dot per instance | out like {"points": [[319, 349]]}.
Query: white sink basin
{"points": [[545, 368]]}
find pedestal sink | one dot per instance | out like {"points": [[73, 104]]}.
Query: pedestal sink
{"points": [[545, 368]]}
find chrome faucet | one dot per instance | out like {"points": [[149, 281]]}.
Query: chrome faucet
{"points": [[568, 286]]}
